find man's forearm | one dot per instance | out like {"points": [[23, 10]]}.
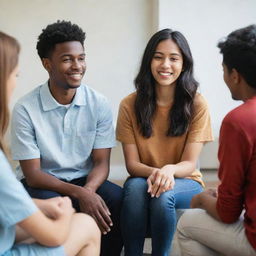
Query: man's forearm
{"points": [[207, 202], [97, 176], [46, 181]]}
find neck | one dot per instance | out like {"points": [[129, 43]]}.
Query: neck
{"points": [[62, 96], [164, 95], [247, 92]]}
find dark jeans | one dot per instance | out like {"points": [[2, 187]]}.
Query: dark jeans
{"points": [[112, 243]]}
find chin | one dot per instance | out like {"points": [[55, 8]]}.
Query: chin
{"points": [[73, 86], [234, 97]]}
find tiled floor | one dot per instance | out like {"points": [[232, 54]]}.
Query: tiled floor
{"points": [[211, 180]]}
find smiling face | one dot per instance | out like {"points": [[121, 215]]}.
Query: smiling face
{"points": [[167, 63], [66, 65]]}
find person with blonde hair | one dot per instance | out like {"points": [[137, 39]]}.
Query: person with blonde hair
{"points": [[39, 227]]}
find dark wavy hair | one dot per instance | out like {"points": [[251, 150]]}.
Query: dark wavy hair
{"points": [[239, 52], [186, 87], [58, 32]]}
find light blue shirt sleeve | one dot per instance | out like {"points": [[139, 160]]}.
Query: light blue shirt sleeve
{"points": [[23, 139], [105, 135], [16, 205]]}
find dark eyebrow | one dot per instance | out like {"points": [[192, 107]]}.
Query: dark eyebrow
{"points": [[173, 54], [70, 55]]}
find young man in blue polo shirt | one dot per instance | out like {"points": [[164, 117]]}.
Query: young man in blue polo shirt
{"points": [[62, 135]]}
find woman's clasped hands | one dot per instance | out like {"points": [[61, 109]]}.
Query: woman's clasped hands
{"points": [[161, 180]]}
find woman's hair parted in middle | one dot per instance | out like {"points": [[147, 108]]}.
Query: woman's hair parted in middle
{"points": [[186, 87]]}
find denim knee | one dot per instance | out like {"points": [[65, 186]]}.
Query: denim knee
{"points": [[165, 201], [135, 193], [135, 186]]}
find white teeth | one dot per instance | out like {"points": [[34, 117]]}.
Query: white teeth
{"points": [[75, 75], [165, 73]]}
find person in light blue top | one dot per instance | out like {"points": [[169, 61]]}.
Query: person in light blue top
{"points": [[35, 227], [16, 205], [62, 135]]}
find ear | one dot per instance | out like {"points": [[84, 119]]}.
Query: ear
{"points": [[47, 64], [236, 77]]}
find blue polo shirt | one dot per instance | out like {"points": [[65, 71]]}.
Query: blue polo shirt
{"points": [[62, 137]]}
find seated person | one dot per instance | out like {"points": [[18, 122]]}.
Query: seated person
{"points": [[62, 135], [162, 127], [43, 227], [226, 222]]}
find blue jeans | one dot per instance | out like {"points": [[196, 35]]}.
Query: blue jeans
{"points": [[142, 215], [112, 243]]}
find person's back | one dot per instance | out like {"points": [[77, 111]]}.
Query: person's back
{"points": [[238, 131], [229, 219]]}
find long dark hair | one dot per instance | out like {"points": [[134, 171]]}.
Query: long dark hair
{"points": [[186, 87]]}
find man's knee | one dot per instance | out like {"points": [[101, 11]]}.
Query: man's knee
{"points": [[189, 219]]}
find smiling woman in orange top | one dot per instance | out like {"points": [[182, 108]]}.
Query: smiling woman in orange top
{"points": [[162, 127]]}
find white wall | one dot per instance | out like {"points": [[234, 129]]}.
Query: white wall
{"points": [[116, 35], [204, 23], [117, 32]]}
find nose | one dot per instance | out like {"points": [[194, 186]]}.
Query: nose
{"points": [[166, 63], [76, 64]]}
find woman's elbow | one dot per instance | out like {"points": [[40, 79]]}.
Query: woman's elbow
{"points": [[131, 171]]}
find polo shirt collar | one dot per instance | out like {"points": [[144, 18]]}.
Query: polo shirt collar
{"points": [[49, 103], [80, 97]]}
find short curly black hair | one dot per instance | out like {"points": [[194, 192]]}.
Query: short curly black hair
{"points": [[239, 52], [58, 32]]}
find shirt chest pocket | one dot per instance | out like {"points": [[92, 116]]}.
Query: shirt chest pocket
{"points": [[84, 142]]}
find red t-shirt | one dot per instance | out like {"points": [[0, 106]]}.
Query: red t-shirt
{"points": [[237, 171]]}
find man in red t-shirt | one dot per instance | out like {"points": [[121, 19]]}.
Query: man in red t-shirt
{"points": [[226, 222]]}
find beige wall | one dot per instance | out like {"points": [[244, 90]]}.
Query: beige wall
{"points": [[204, 23], [117, 32]]}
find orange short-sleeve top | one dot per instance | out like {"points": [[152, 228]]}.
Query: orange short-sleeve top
{"points": [[159, 149]]}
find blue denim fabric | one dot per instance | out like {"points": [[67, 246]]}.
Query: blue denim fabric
{"points": [[142, 215]]}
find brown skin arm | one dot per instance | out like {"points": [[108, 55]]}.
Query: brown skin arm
{"points": [[161, 179], [90, 202], [133, 164], [207, 201], [36, 178]]}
